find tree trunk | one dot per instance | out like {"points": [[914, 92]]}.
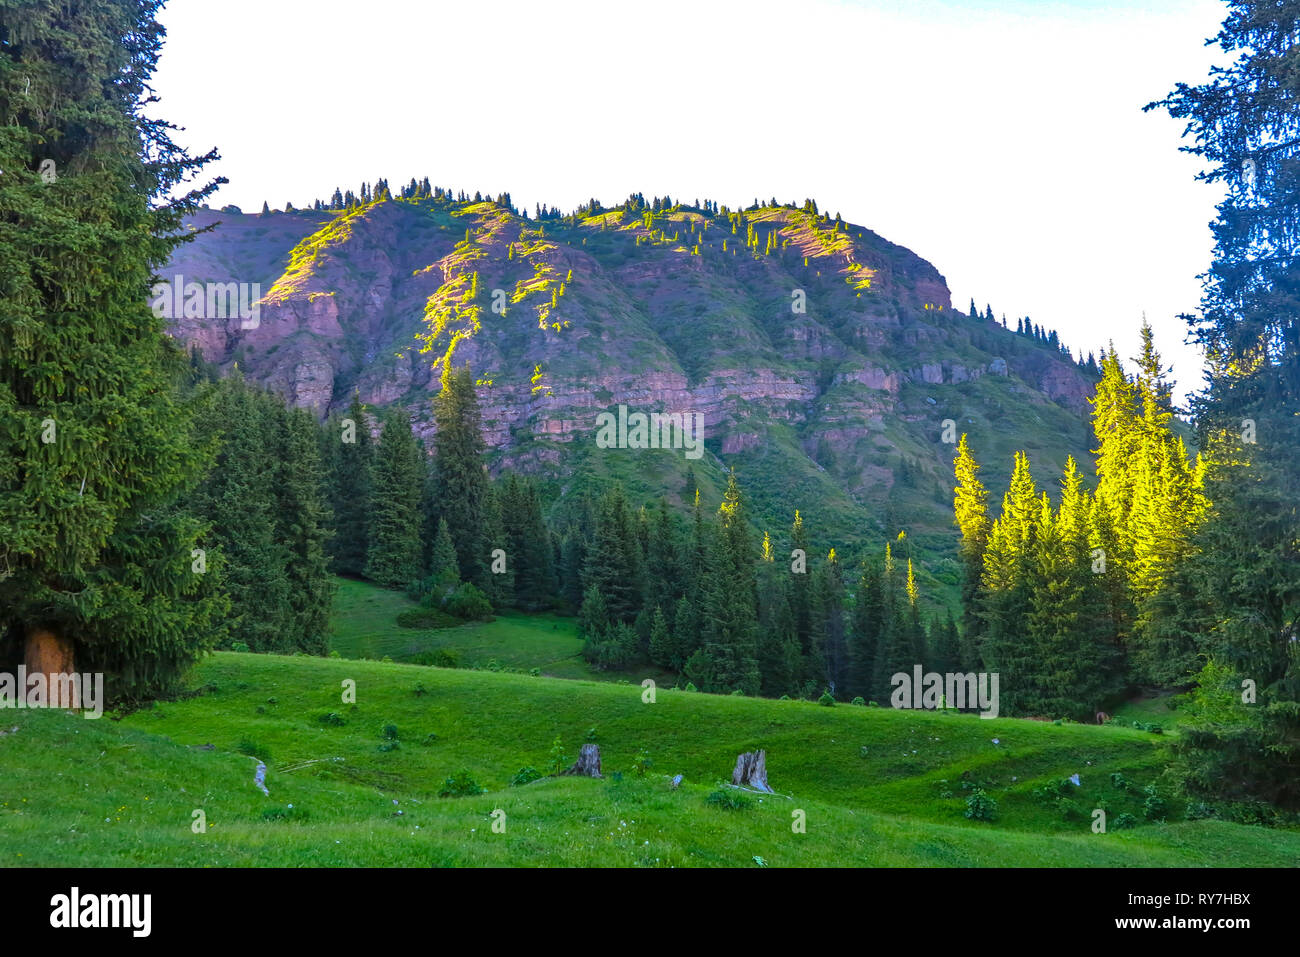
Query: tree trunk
{"points": [[751, 771], [588, 765], [50, 655]]}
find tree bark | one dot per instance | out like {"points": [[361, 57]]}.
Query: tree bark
{"points": [[588, 764], [50, 655], [751, 771]]}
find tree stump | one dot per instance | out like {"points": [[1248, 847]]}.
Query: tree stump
{"points": [[47, 653], [751, 771], [588, 763]]}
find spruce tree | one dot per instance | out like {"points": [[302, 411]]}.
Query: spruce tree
{"points": [[302, 520], [351, 489], [95, 446], [868, 623], [971, 517], [461, 477], [394, 555]]}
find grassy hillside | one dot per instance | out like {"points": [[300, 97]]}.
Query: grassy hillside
{"points": [[878, 787], [364, 625]]}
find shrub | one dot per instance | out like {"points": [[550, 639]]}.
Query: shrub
{"points": [[859, 701], [389, 731], [460, 784], [1154, 807], [335, 654], [827, 699], [730, 800], [641, 763], [420, 690], [389, 746], [422, 618], [469, 603], [524, 776], [535, 672], [981, 807], [690, 686], [591, 734], [332, 718], [240, 646], [558, 761], [431, 737], [1123, 822]]}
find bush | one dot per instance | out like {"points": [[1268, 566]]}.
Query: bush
{"points": [[558, 761], [469, 603], [335, 654], [690, 686], [827, 699], [591, 734], [431, 737], [423, 618], [1154, 807], [641, 763], [460, 784], [1123, 822], [389, 731], [420, 690], [525, 775], [859, 701], [332, 718], [730, 800], [981, 807], [389, 746], [240, 646]]}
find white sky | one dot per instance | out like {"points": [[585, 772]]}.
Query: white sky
{"points": [[1002, 141]]}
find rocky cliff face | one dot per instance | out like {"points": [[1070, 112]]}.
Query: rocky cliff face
{"points": [[824, 359]]}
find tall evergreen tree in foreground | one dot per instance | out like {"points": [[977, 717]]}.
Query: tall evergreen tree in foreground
{"points": [[1241, 582], [97, 563]]}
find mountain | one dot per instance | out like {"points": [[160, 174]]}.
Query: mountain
{"points": [[823, 358]]}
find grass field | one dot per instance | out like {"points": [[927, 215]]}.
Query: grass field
{"points": [[877, 786], [364, 625]]}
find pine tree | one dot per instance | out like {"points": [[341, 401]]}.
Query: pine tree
{"points": [[613, 564], [302, 527], [351, 489], [95, 446], [865, 632], [727, 658], [393, 558], [461, 479], [1008, 585], [444, 572], [971, 517], [238, 501]]}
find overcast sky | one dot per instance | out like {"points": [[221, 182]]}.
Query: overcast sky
{"points": [[1003, 140]]}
